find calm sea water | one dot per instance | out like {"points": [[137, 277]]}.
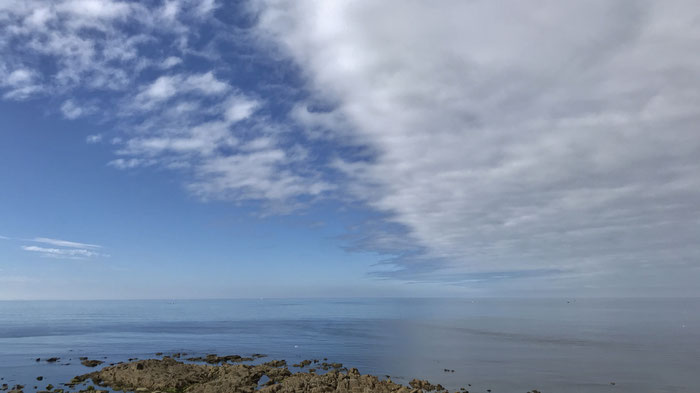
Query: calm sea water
{"points": [[506, 345]]}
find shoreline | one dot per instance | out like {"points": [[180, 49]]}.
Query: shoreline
{"points": [[212, 373]]}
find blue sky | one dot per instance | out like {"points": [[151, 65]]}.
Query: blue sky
{"points": [[149, 237], [186, 149]]}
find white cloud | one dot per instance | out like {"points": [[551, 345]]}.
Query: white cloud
{"points": [[111, 58], [202, 139], [258, 175], [63, 243], [205, 83], [63, 249], [68, 253], [205, 7], [20, 83], [170, 9], [161, 89], [171, 62], [240, 108], [95, 9], [20, 77], [169, 86], [510, 136], [122, 163], [92, 139], [71, 110]]}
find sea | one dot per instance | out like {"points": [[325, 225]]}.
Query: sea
{"points": [[501, 345]]}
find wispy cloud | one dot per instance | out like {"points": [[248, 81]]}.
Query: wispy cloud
{"points": [[63, 243], [171, 62], [63, 249], [166, 115], [96, 138], [72, 110], [69, 253], [20, 83], [168, 86]]}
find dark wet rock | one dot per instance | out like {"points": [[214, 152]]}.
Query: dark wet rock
{"points": [[39, 378], [52, 360], [258, 355], [328, 366], [302, 364], [276, 363], [424, 385], [49, 387], [91, 363], [91, 389], [78, 379], [159, 353], [38, 359]]}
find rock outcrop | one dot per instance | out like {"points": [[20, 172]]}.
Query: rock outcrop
{"points": [[171, 376]]}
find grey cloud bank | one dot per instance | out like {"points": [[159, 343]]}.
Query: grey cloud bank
{"points": [[555, 138]]}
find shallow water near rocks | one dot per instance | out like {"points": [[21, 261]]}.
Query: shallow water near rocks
{"points": [[506, 345]]}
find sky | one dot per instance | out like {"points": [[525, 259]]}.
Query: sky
{"points": [[279, 148]]}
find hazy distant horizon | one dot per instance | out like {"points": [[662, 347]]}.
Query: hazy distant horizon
{"points": [[323, 298]]}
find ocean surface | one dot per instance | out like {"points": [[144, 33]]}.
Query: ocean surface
{"points": [[506, 345]]}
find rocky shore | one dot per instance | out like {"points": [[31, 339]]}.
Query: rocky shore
{"points": [[226, 374]]}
